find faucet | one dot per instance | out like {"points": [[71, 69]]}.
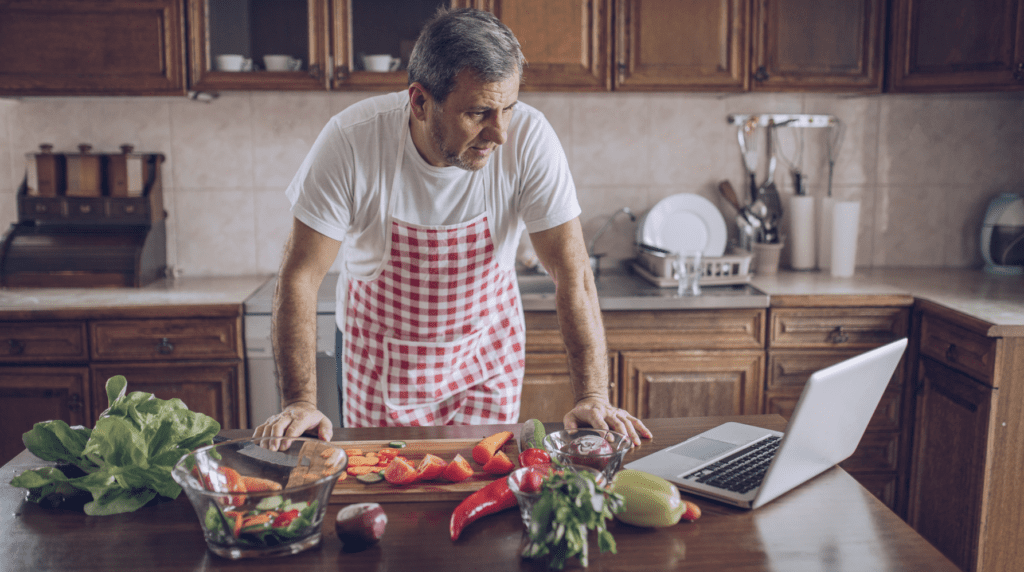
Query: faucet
{"points": [[595, 263]]}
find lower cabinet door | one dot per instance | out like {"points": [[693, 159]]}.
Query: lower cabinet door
{"points": [[547, 392], [29, 395], [693, 383], [213, 388], [950, 455]]}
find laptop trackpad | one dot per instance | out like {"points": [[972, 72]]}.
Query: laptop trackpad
{"points": [[703, 448]]}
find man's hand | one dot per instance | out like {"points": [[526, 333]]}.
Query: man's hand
{"points": [[296, 419], [600, 414]]}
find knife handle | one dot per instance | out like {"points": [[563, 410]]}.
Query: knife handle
{"points": [[725, 187]]}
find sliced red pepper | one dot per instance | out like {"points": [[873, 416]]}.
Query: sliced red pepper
{"points": [[499, 464], [285, 518], [493, 498], [400, 472], [531, 457], [458, 470]]}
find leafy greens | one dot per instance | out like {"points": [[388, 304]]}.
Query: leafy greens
{"points": [[127, 458]]}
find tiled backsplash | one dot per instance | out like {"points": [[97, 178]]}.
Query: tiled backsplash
{"points": [[923, 166]]}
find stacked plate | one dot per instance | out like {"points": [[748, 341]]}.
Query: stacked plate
{"points": [[684, 222]]}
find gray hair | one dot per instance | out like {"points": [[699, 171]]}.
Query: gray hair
{"points": [[454, 40]]}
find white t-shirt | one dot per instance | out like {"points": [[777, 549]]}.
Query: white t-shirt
{"points": [[343, 187]]}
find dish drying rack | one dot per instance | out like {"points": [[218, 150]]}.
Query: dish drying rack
{"points": [[731, 268]]}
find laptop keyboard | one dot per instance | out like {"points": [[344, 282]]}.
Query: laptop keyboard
{"points": [[740, 472]]}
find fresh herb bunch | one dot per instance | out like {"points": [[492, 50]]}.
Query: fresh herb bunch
{"points": [[571, 503]]}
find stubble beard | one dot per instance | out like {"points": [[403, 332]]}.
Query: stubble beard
{"points": [[451, 157]]}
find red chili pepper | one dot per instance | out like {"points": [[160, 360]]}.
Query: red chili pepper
{"points": [[493, 498], [531, 457]]}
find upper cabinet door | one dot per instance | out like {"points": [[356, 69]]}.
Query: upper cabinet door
{"points": [[372, 40], [950, 45], [818, 45], [698, 45], [258, 44], [567, 44], [85, 47]]}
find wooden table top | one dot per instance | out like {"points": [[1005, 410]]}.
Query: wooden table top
{"points": [[829, 523]]}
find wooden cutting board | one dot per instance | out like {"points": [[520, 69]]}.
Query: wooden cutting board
{"points": [[351, 490]]}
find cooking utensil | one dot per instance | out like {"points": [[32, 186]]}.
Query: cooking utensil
{"points": [[768, 192], [746, 214], [833, 140], [794, 165], [748, 151]]}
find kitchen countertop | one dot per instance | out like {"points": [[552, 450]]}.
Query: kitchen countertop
{"points": [[831, 521], [998, 300]]}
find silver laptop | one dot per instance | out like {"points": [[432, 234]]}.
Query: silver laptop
{"points": [[748, 466]]}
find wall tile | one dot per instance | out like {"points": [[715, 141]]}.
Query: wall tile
{"points": [[273, 224], [211, 142], [284, 127], [557, 108], [611, 139], [215, 232], [910, 227]]}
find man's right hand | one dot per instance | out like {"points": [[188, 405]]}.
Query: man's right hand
{"points": [[297, 418]]}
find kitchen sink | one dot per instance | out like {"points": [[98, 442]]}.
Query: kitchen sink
{"points": [[623, 290]]}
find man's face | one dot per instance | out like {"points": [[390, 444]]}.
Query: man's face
{"points": [[472, 122]]}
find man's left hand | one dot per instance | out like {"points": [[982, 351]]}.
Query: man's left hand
{"points": [[600, 414]]}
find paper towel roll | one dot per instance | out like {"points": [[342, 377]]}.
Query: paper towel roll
{"points": [[825, 205], [845, 225], [801, 232]]}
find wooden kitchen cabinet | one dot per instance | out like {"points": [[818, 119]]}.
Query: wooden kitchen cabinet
{"points": [[968, 440], [567, 44], [806, 338], [55, 364], [952, 45], [663, 363], [29, 395], [198, 360], [92, 47], [299, 29], [818, 45]]}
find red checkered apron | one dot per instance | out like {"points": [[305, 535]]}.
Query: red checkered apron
{"points": [[436, 338]]}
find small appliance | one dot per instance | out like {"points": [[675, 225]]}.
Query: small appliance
{"points": [[1002, 235]]}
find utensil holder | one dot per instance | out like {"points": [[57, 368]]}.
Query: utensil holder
{"points": [[766, 258]]}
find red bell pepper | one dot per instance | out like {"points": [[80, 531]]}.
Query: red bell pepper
{"points": [[493, 498]]}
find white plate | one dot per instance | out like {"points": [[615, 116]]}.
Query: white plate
{"points": [[684, 222]]}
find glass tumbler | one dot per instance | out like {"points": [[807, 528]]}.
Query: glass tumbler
{"points": [[688, 266]]}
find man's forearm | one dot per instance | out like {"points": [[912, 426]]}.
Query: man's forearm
{"points": [[294, 340], [579, 318]]}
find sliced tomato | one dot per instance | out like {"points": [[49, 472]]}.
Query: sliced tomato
{"points": [[430, 467], [458, 470], [400, 472]]}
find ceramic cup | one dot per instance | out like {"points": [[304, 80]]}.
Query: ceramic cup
{"points": [[381, 63], [233, 63], [278, 62]]}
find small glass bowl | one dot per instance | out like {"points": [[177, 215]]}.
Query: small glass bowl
{"points": [[284, 518], [597, 448], [526, 499]]}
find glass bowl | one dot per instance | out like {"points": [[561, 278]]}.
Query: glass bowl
{"points": [[598, 448], [527, 495], [278, 498]]}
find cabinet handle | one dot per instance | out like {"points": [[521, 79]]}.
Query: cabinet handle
{"points": [[1018, 74], [316, 71], [839, 336], [17, 347], [165, 346], [951, 353], [341, 73], [761, 74], [75, 402]]}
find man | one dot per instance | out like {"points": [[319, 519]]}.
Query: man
{"points": [[429, 190]]}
